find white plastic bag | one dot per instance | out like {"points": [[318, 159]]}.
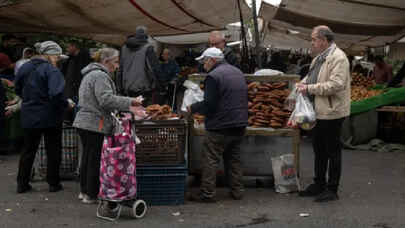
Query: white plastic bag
{"points": [[268, 72], [303, 115], [285, 173], [193, 94]]}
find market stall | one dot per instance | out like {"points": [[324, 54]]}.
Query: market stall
{"points": [[275, 140], [364, 121]]}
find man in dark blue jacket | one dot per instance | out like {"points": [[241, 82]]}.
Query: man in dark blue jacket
{"points": [[40, 85], [225, 107]]}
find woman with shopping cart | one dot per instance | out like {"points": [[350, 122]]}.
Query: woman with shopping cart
{"points": [[97, 100]]}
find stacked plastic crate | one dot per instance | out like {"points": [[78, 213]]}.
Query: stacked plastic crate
{"points": [[161, 161]]}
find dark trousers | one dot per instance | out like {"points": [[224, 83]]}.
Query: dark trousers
{"points": [[328, 151], [53, 146], [214, 146], [90, 164]]}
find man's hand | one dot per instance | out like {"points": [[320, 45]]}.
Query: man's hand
{"points": [[189, 109], [302, 88]]}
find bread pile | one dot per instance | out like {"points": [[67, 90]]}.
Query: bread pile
{"points": [[266, 104], [158, 112]]}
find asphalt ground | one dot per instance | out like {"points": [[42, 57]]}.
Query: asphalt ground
{"points": [[372, 195]]}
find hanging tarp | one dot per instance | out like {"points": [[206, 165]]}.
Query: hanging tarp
{"points": [[358, 24], [115, 19]]}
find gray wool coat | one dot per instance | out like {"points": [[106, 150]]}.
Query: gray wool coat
{"points": [[97, 99]]}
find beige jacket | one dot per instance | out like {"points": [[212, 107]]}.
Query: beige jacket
{"points": [[332, 90]]}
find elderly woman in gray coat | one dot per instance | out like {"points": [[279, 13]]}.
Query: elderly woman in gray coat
{"points": [[97, 99]]}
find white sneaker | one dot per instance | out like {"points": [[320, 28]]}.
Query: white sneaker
{"points": [[88, 200], [81, 196]]}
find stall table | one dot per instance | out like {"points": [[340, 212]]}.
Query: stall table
{"points": [[285, 132]]}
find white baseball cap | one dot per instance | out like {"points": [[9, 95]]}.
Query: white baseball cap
{"points": [[211, 52]]}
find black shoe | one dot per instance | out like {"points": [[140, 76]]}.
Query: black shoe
{"points": [[198, 197], [55, 188], [238, 196], [312, 190], [24, 188], [326, 196]]}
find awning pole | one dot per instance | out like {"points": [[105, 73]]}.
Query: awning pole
{"points": [[257, 36]]}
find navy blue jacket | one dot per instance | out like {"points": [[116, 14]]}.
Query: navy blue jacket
{"points": [[225, 102], [41, 86]]}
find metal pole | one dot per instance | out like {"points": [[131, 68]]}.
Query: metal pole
{"points": [[257, 37]]}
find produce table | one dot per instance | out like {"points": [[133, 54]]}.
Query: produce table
{"points": [[392, 96], [294, 134]]}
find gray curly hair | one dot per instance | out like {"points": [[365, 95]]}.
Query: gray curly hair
{"points": [[106, 54]]}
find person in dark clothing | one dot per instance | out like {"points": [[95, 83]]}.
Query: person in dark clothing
{"points": [[6, 66], [139, 67], [40, 85], [9, 43], [225, 107], [398, 78], [277, 63], [71, 69], [3, 100], [170, 70], [217, 39]]}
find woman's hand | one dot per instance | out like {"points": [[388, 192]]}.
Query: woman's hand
{"points": [[137, 101]]}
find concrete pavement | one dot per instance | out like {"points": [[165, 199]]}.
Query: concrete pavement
{"points": [[372, 195]]}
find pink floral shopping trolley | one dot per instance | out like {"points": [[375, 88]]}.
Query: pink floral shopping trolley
{"points": [[118, 169]]}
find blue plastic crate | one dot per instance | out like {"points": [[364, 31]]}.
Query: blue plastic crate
{"points": [[161, 185]]}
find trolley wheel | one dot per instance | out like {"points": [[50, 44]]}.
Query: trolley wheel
{"points": [[139, 209]]}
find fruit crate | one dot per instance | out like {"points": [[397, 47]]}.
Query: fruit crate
{"points": [[161, 185], [163, 142]]}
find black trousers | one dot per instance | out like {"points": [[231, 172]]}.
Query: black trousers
{"points": [[90, 164], [53, 146], [328, 151]]}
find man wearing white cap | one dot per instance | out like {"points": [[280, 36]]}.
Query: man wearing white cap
{"points": [[225, 107], [40, 84]]}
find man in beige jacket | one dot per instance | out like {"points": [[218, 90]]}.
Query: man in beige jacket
{"points": [[328, 87]]}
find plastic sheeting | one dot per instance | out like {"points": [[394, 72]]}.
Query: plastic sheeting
{"points": [[112, 20], [357, 23]]}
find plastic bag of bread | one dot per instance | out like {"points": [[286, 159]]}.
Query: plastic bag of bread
{"points": [[303, 115]]}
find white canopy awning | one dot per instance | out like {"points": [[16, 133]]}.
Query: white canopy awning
{"points": [[113, 20], [357, 23]]}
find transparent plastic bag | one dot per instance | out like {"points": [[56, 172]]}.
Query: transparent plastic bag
{"points": [[303, 115], [193, 94], [289, 103]]}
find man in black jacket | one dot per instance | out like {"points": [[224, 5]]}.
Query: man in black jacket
{"points": [[139, 67], [71, 69], [225, 107]]}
